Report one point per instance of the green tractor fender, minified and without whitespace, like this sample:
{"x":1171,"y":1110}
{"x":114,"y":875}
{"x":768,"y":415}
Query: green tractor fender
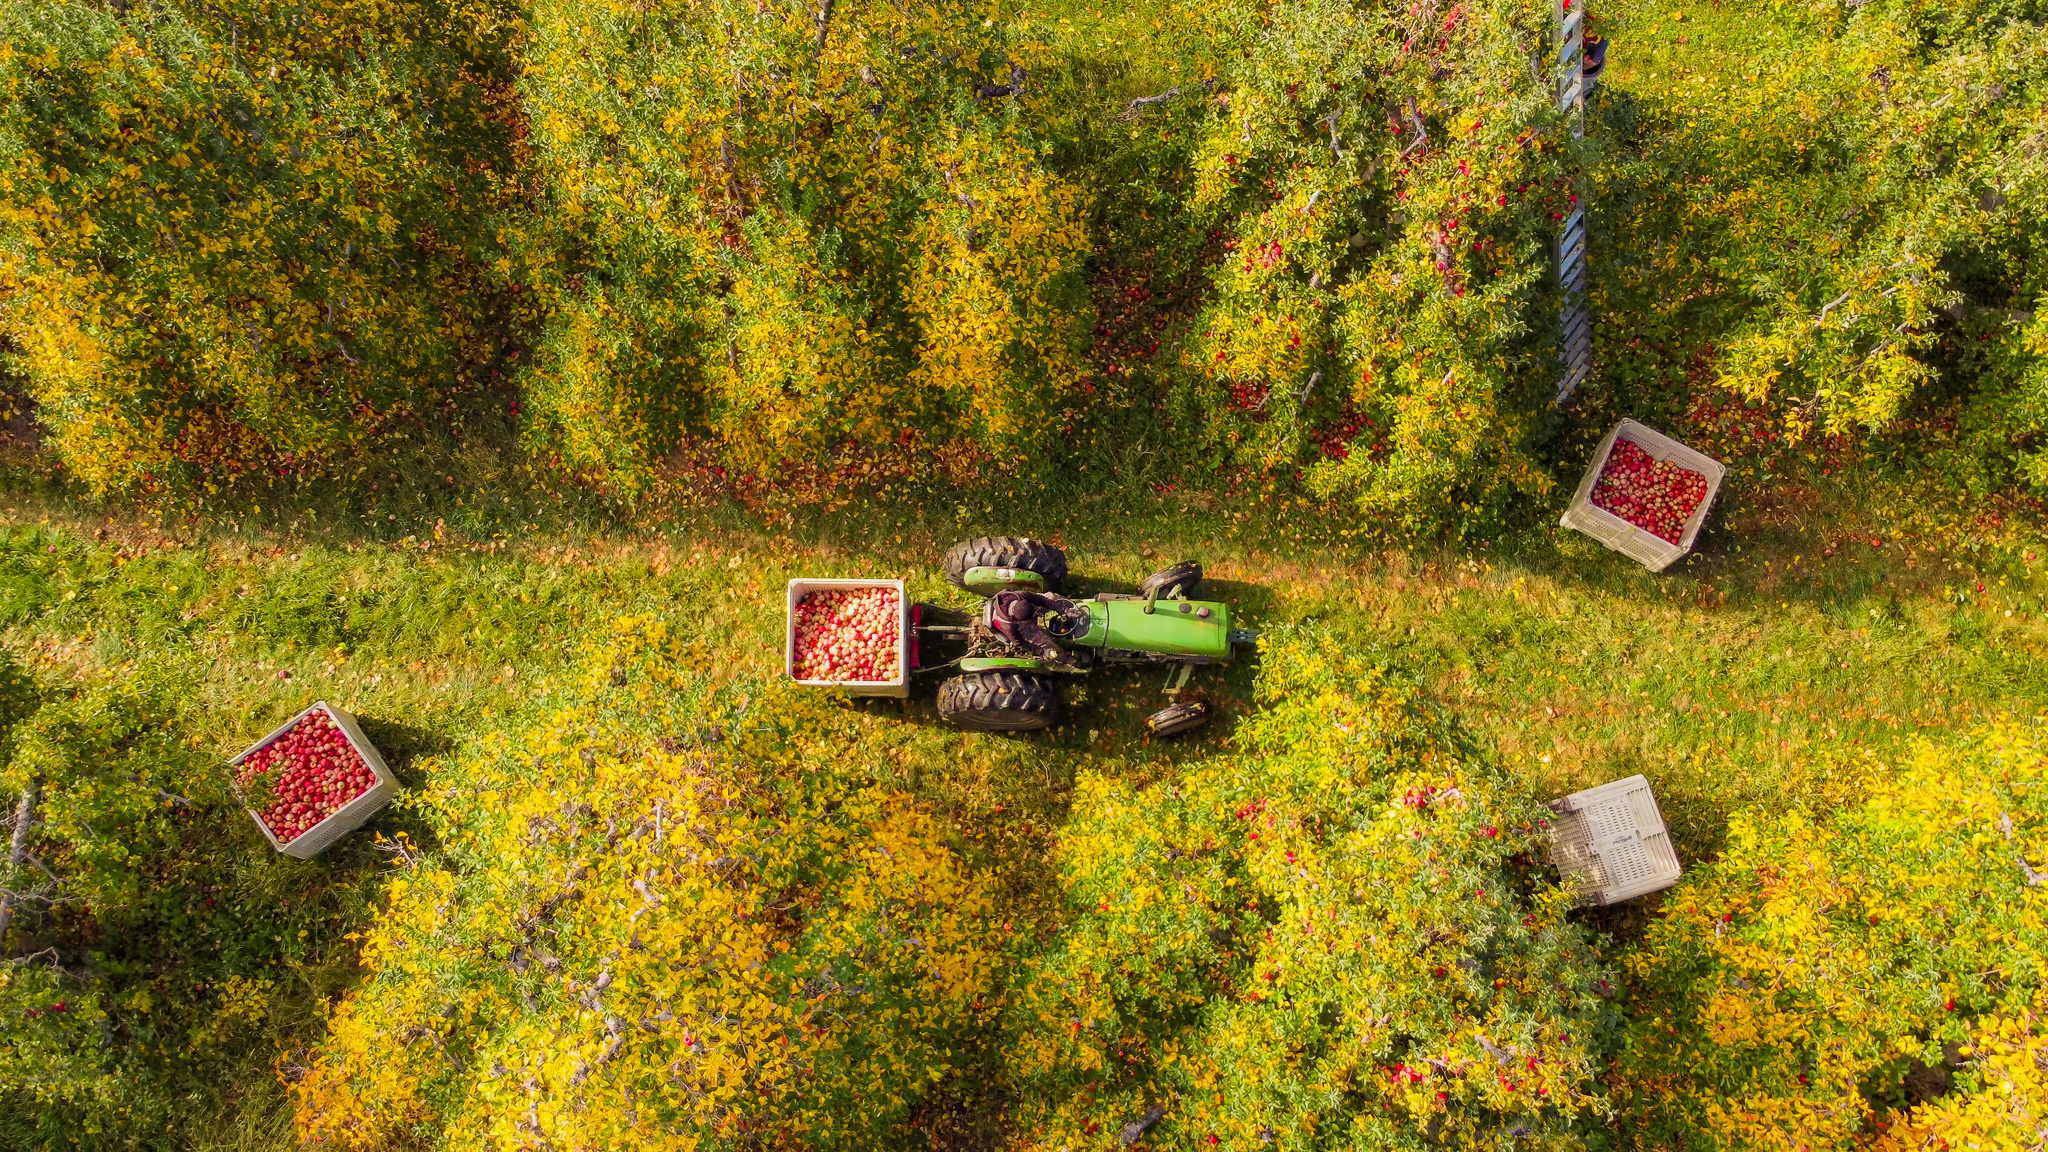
{"x":988,"y":580}
{"x":970,"y":665}
{"x":1124,"y":627}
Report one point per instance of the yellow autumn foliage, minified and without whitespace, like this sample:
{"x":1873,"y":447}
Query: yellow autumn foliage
{"x":1389,"y":182}
{"x":651,"y":923}
{"x":2007,"y":1059}
{"x":236,"y":240}
{"x":787,"y":228}
{"x":1792,"y":984}
{"x":1323,"y":940}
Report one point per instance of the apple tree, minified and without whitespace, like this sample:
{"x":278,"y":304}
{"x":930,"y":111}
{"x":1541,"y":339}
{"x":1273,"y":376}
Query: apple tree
{"x":792,"y":227}
{"x":1388,"y":181}
{"x":243,"y":238}
{"x":1841,"y":205}
{"x":1824,"y":976}
{"x":1332,"y":937}
{"x":144,"y":922}
{"x":654,"y":920}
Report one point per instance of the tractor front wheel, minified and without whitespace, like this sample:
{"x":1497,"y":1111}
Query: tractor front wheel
{"x":1000,"y":702}
{"x":1007,"y":552}
{"x":1186,"y":575}
{"x":1177,"y":718}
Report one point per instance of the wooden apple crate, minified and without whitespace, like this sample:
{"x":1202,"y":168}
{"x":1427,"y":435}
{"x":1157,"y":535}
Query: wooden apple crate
{"x":900,"y":686}
{"x":1642,"y":546}
{"x":1610,"y":844}
{"x":349,"y":816}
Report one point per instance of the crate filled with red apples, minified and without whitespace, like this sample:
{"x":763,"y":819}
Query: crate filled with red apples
{"x":316,"y":779}
{"x":1645,"y":496}
{"x":853,"y":635}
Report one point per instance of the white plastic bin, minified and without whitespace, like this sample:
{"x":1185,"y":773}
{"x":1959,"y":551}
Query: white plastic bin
{"x":349,"y":816}
{"x":900,"y":686}
{"x":1644,"y":547}
{"x":1610,"y":844}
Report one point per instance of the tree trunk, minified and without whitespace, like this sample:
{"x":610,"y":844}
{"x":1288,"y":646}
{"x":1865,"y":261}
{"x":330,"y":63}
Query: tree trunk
{"x":24,"y":815}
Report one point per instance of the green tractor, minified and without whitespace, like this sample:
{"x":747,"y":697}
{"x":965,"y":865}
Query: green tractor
{"x":1008,"y":659}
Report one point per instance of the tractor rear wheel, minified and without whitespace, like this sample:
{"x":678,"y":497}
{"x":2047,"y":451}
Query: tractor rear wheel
{"x":1007,"y":552}
{"x":1000,"y":702}
{"x":1187,"y":574}
{"x":1177,"y":718}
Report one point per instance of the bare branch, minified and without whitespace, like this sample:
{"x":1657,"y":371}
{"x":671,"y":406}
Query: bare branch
{"x":1829,"y":307}
{"x":1014,"y":88}
{"x":30,"y":859}
{"x":24,"y":819}
{"x":1131,"y":1132}
{"x":1867,"y":356}
{"x":1315,"y":377}
{"x":1137,"y":107}
{"x":2034,"y":879}
{"x":49,"y":954}
{"x":402,"y":849}
{"x":824,"y":26}
{"x":966,"y":201}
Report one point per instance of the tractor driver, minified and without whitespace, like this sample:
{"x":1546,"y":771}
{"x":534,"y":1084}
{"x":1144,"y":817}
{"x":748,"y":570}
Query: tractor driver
{"x":1016,"y":615}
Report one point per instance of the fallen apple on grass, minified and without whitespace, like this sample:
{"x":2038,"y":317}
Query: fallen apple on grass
{"x":1654,"y":495}
{"x":313,"y":773}
{"x":848,"y":634}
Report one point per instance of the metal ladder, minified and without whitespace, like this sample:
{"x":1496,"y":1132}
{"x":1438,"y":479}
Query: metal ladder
{"x":1575,"y":323}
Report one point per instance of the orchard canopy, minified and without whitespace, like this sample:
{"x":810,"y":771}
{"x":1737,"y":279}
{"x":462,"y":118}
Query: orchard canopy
{"x":666,"y":908}
{"x":248,"y":239}
{"x":499,"y":363}
{"x":652,"y":933}
{"x":687,"y":914}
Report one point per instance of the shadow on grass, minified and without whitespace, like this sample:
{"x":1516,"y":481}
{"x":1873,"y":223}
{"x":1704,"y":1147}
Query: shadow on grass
{"x":403,"y":745}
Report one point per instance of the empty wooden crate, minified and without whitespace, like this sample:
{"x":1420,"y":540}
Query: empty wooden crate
{"x":1609,"y":843}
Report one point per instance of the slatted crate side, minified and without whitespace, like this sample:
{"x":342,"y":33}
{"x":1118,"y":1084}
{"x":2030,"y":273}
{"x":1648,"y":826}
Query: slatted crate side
{"x":1610,"y":843}
{"x":899,"y":687}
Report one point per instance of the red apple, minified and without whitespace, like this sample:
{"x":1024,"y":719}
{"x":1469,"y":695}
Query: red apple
{"x":1654,"y":495}
{"x":848,"y":635}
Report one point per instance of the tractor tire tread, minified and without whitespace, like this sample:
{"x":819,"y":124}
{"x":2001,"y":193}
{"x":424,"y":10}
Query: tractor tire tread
{"x":1000,"y":702}
{"x":1007,"y":552}
{"x":1187,"y":574}
{"x":1175,"y":719}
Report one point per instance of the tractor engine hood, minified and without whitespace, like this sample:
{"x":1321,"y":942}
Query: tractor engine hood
{"x":1120,"y":628}
{"x":1120,"y":625}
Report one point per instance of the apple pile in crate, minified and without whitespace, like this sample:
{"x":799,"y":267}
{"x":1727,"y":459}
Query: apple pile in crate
{"x":1654,"y":495}
{"x":312,"y":771}
{"x":848,"y":634}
